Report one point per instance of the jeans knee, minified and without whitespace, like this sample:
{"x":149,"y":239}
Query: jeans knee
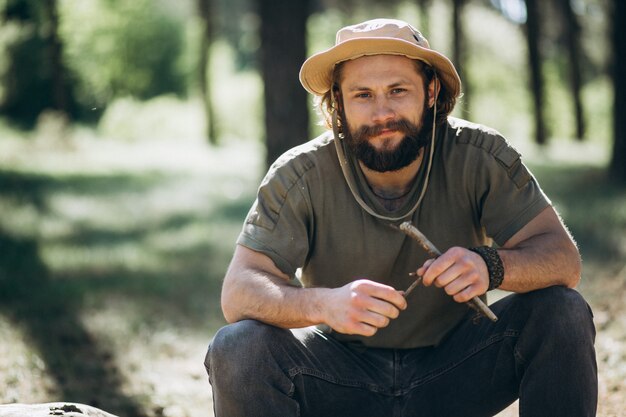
{"x":239,"y":347}
{"x":563,"y":312}
{"x":566,"y":303}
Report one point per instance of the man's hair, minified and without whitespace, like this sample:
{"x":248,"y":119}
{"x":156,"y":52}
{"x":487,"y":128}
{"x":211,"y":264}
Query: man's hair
{"x":445,"y":100}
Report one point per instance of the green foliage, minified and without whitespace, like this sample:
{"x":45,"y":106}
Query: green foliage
{"x":238,"y":110}
{"x":238,"y":95}
{"x":127,"y":48}
{"x":163,"y":117}
{"x":593,"y":208}
{"x":111,"y":48}
{"x":236,"y":22}
{"x":598,"y":98}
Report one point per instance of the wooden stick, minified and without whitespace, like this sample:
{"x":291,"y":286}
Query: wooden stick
{"x":419,"y":237}
{"x":414,"y":233}
{"x":414,"y":285}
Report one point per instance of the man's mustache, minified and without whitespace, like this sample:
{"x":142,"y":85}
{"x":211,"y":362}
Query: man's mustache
{"x":401,"y":125}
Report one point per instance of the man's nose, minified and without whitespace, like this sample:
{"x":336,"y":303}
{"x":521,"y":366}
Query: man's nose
{"x":383,"y":111}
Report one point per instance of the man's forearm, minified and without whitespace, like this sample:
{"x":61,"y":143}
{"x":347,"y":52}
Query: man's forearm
{"x":254,"y":288}
{"x":541,"y":261}
{"x":259,"y":295}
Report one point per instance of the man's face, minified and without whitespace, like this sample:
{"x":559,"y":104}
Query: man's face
{"x":386,"y":110}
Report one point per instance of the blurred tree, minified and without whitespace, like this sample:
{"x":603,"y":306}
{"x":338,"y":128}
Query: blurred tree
{"x":239,"y":26}
{"x":53,"y":60}
{"x":571,"y":27}
{"x":60,"y":91}
{"x":459,"y":48}
{"x":533,"y":35}
{"x":558,"y":42}
{"x":283,"y":50}
{"x":424,"y":7}
{"x":34,"y":77}
{"x":129,"y":48}
{"x":206,"y":12}
{"x":618,"y":162}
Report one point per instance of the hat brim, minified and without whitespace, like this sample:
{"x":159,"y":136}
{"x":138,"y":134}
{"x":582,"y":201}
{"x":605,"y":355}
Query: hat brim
{"x":316,"y":72}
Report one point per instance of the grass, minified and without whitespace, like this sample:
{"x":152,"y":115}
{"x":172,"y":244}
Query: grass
{"x":110,"y":270}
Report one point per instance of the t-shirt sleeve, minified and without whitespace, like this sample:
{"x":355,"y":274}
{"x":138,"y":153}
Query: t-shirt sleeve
{"x":278,"y":222}
{"x":508,"y":194}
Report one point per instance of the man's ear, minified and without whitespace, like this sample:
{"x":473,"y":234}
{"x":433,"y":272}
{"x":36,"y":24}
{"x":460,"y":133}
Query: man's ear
{"x":433,"y":90}
{"x":337,"y":97}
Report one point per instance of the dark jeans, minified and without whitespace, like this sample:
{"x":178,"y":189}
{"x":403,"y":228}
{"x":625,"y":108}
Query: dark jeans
{"x":540,"y":351}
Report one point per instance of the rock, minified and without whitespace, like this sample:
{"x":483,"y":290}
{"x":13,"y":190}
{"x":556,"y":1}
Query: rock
{"x":51,"y":409}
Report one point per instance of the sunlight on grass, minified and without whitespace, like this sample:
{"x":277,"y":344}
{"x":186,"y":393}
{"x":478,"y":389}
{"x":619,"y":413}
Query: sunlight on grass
{"x":25,"y":375}
{"x":132,"y":228}
{"x":173,"y":350}
{"x":138,"y":234}
{"x":18,"y":218}
{"x":164,"y":117}
{"x":129,"y":257}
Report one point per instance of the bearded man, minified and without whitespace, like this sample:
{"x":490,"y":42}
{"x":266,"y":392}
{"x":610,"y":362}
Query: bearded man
{"x":320,"y":322}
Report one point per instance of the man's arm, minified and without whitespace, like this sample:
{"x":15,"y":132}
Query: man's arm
{"x":539,"y":255}
{"x":254,"y":288}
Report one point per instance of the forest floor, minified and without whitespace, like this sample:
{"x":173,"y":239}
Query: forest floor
{"x":112,"y":255}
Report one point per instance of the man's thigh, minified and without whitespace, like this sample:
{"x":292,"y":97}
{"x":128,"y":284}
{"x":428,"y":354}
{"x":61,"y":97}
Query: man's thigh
{"x":476,"y":371}
{"x":301,"y":372}
{"x":481,"y":367}
{"x":333,"y":378}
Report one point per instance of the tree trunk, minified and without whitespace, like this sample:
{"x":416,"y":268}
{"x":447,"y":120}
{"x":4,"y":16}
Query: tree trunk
{"x":459,"y":48}
{"x":283,"y":50}
{"x":54,"y":52}
{"x":618,"y":161}
{"x":534,"y":59}
{"x":424,"y":7}
{"x":205,"y":12}
{"x":35,"y":78}
{"x":572,"y":32}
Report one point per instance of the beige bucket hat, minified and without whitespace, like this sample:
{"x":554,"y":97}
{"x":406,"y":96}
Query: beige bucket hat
{"x":376,"y":37}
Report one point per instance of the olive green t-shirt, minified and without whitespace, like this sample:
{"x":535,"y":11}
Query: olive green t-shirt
{"x":306,"y":218}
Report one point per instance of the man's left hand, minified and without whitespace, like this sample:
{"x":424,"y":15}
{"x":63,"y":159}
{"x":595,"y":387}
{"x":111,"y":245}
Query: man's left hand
{"x":459,"y":271}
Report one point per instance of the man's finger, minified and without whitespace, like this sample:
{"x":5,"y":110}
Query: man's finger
{"x":387,"y":294}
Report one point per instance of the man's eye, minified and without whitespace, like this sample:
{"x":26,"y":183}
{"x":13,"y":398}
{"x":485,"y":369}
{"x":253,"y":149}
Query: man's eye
{"x":363,"y":95}
{"x":398,"y":90}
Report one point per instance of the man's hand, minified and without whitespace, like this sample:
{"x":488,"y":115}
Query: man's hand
{"x":459,"y":271}
{"x":362,"y":307}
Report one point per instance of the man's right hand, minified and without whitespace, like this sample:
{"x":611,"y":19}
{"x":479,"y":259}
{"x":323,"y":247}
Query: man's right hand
{"x":361,"y":307}
{"x":254,"y":288}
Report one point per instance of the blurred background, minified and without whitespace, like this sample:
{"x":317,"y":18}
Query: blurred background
{"x":133,"y":136}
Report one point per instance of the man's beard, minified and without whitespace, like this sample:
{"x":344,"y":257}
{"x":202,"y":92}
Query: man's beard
{"x":415,"y":138}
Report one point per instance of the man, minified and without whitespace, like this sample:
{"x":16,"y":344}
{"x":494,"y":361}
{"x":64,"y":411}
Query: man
{"x":359,"y":345}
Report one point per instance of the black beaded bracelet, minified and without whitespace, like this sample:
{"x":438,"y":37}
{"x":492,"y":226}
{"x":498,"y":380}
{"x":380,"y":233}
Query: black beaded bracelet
{"x":494,"y":265}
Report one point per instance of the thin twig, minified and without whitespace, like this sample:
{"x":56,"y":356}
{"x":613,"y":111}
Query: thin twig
{"x":413,"y":232}
{"x":414,"y":285}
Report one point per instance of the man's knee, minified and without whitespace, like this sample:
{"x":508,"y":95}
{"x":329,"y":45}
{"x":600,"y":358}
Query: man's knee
{"x":240,"y":346}
{"x":563,"y":313}
{"x":562,"y":304}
